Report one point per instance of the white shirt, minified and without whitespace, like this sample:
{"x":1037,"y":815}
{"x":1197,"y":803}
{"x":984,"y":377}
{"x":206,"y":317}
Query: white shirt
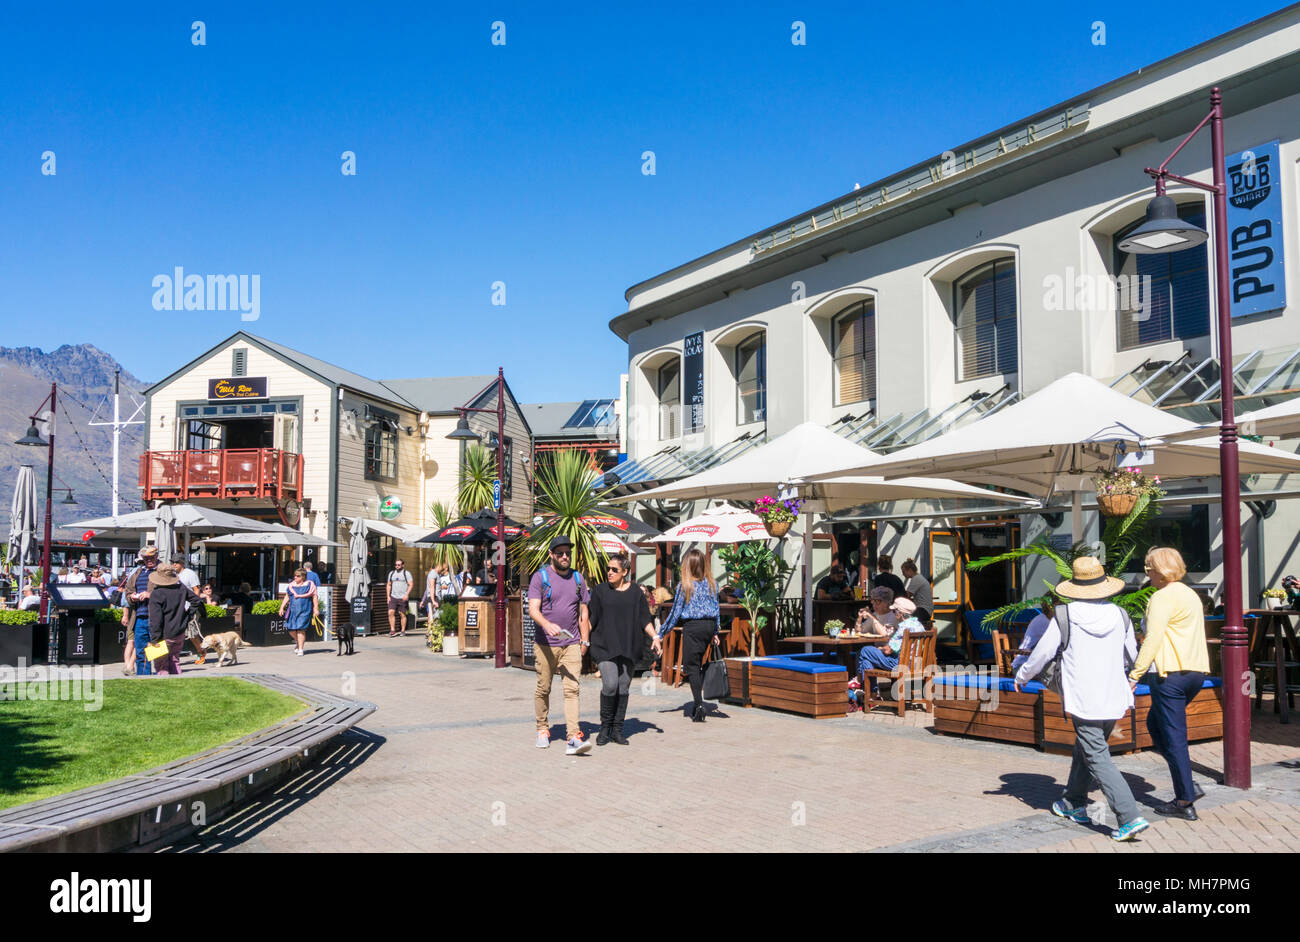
{"x":29,"y":602}
{"x":75,"y":577}
{"x":1032,"y":635}
{"x":1094,"y":683}
{"x":190,"y":579}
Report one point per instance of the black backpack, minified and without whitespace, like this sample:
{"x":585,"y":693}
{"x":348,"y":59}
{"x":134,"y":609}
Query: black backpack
{"x":1050,"y":676}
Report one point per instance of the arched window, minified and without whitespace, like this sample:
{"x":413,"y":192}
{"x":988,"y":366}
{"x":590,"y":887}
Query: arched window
{"x":668,"y":390}
{"x":985,"y":302}
{"x":853,"y":338}
{"x":1162,"y":297}
{"x":751,"y":379}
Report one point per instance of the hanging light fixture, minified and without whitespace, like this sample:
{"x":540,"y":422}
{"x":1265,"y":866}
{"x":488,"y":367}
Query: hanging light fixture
{"x":463,"y":433}
{"x":33,"y":437}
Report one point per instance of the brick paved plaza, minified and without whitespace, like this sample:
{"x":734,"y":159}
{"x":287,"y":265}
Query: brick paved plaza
{"x":447,"y":763}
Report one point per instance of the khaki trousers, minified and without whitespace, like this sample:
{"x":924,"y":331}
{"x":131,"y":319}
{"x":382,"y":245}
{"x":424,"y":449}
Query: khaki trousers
{"x":567,"y":662}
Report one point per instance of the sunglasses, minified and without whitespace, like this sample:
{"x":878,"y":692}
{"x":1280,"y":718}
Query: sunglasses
{"x":613,"y":569}
{"x":560,"y":552}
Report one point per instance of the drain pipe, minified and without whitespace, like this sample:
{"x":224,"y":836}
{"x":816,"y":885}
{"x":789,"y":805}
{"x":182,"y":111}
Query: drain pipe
{"x":1261,"y":510}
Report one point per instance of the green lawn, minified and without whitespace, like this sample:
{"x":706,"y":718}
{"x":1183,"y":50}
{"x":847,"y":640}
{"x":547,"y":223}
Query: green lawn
{"x":49,"y":747}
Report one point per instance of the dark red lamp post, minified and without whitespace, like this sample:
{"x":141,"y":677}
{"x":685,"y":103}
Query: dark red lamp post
{"x":1164,"y":232}
{"x":33,"y":438}
{"x":464,"y":433}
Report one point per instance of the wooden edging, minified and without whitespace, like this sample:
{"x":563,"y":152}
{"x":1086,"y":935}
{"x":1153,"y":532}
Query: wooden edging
{"x":188,"y":793}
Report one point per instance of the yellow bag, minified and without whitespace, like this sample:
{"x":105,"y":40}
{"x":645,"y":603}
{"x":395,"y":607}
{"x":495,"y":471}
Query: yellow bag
{"x":156,"y":650}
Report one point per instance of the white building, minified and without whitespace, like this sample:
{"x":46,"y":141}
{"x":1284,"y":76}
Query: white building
{"x":956,"y":286}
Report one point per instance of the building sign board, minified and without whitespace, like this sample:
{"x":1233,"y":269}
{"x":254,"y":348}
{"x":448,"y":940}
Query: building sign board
{"x":237,"y":387}
{"x":693,"y":381}
{"x":1257,"y":273}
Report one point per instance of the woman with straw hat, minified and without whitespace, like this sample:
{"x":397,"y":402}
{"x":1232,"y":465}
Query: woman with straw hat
{"x":1094,"y":638}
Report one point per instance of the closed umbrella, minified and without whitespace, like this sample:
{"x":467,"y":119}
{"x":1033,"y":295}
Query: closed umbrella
{"x":22,"y":520}
{"x":358,"y":574}
{"x":164,"y":534}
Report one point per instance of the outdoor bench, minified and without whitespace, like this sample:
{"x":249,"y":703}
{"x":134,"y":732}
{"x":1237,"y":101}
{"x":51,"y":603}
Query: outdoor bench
{"x":1036,"y":716}
{"x":810,"y":684}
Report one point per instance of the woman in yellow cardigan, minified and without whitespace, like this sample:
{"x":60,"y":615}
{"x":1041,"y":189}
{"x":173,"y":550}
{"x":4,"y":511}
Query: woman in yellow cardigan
{"x":1174,"y":659}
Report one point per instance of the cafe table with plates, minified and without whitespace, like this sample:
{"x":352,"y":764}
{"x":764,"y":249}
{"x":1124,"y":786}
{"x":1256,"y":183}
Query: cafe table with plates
{"x":845,"y":646}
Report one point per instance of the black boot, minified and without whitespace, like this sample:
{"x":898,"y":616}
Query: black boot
{"x":606,"y":718}
{"x":698,"y":715}
{"x":616,"y":726}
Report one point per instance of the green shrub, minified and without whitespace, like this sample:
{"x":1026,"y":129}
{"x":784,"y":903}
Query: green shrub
{"x":12,"y":616}
{"x":215,"y":611}
{"x":449,"y":617}
{"x":269,"y":607}
{"x":111,"y":615}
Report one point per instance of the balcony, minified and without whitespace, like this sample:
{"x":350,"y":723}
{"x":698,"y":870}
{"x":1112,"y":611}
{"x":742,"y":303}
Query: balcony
{"x":225,"y":473}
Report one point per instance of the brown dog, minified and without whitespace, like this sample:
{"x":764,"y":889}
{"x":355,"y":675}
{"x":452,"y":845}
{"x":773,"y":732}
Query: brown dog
{"x":227,"y":642}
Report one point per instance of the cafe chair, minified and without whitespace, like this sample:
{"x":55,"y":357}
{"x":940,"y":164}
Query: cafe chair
{"x":1006,"y":647}
{"x":915,"y":668}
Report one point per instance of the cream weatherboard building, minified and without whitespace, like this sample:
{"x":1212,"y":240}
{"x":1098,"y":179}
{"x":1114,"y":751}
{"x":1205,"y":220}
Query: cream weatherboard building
{"x":259,"y":429}
{"x":955,"y":287}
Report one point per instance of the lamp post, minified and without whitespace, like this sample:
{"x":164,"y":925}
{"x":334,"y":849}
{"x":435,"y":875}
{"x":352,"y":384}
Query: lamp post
{"x":1164,"y":232}
{"x":464,"y":433}
{"x":33,"y":438}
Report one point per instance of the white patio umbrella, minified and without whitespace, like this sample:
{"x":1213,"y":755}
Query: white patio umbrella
{"x":612,"y":544}
{"x":722,"y":524}
{"x":296,"y":538}
{"x":197,"y":519}
{"x":1281,"y":420}
{"x":22,"y":520}
{"x":795,"y":457}
{"x":358,"y":574}
{"x":1074,"y":426}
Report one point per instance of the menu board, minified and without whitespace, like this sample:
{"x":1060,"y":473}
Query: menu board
{"x":693,"y":380}
{"x":943,"y":567}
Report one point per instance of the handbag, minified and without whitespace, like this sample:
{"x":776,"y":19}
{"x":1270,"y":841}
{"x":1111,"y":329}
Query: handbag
{"x":716,"y":683}
{"x":156,"y":650}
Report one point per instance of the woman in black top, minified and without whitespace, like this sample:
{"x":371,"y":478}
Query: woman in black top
{"x":619,"y":617}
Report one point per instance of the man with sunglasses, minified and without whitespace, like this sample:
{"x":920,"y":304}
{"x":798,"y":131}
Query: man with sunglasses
{"x":557,"y":603}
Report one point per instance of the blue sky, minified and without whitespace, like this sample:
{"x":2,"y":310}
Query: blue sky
{"x":477,"y":163}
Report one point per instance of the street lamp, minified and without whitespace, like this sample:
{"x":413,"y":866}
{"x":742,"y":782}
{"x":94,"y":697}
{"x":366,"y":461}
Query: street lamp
{"x":463,"y":433}
{"x":33,"y":439}
{"x":1164,"y":232}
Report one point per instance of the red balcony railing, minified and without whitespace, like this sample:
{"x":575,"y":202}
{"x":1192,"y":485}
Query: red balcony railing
{"x":221,"y":473}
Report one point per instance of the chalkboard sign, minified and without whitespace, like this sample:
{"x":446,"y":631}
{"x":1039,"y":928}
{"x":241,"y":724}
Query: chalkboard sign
{"x":361,"y":612}
{"x":471,"y":617}
{"x":79,"y":637}
{"x":693,"y":381}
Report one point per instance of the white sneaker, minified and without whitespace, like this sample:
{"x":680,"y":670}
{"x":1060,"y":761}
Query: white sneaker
{"x":543,"y":739}
{"x":577,"y":746}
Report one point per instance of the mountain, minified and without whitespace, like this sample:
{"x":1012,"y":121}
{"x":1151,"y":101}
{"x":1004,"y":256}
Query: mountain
{"x":83,"y":455}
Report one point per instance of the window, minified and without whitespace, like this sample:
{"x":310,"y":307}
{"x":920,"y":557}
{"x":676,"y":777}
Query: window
{"x":668,"y":389}
{"x":1187,"y":528}
{"x":1162,"y":297}
{"x":853,"y":339}
{"x":986,"y":320}
{"x":381,"y":553}
{"x":381,"y":445}
{"x":751,"y":379}
{"x":202,"y":436}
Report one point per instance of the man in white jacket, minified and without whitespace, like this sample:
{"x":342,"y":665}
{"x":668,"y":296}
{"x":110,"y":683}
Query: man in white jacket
{"x":1094,"y":687}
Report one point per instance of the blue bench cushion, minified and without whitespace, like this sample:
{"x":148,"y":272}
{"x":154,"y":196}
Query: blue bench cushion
{"x":801,"y":664}
{"x":1007,"y":684}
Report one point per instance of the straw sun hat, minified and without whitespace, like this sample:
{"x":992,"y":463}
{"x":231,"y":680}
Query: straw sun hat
{"x":1089,"y":581}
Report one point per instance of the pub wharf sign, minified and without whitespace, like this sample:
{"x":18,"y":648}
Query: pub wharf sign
{"x":237,"y":387}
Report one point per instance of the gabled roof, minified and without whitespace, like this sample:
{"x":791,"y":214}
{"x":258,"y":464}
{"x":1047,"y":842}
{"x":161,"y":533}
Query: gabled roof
{"x":436,"y":394}
{"x":589,"y":419}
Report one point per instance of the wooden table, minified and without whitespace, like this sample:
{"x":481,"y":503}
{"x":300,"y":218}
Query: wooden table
{"x":1277,"y":622}
{"x":845,"y":647}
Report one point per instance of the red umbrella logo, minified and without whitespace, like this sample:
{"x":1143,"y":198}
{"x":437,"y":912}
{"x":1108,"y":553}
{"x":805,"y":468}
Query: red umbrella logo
{"x":87,"y":536}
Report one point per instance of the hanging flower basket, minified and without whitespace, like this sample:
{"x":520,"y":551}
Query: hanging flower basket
{"x":778,"y":528}
{"x":1116,"y":505}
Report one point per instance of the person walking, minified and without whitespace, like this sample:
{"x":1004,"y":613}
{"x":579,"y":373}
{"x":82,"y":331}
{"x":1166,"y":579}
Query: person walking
{"x":557,"y":602}
{"x":314,"y":579}
{"x":696,"y":606}
{"x":135,"y":612}
{"x":195,"y":612}
{"x":1172,"y":662}
{"x":167,"y":617}
{"x":297,"y":608}
{"x":1094,"y":644}
{"x":619,"y":618}
{"x":399,"y":590}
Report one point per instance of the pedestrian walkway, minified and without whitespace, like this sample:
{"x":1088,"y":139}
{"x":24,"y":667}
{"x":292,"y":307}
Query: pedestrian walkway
{"x":447,"y":763}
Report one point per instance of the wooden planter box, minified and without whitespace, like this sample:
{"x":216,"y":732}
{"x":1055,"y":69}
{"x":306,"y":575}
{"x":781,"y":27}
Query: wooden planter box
{"x":740,"y":638}
{"x":738,"y":679}
{"x":1038,"y":719}
{"x":817,"y":695}
{"x":28,"y":643}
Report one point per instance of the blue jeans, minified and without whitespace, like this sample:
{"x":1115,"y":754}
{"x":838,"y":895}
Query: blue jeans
{"x":1167,"y":723}
{"x":874,"y":658}
{"x":142,"y":666}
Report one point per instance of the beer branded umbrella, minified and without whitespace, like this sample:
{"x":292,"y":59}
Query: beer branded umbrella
{"x":479,"y":527}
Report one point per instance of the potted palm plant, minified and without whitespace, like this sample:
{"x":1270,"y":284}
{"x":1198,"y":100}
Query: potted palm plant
{"x":567,"y":491}
{"x":757,"y":573}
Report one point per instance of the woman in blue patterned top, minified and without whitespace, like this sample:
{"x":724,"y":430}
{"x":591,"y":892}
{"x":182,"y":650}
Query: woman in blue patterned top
{"x":696,"y":607}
